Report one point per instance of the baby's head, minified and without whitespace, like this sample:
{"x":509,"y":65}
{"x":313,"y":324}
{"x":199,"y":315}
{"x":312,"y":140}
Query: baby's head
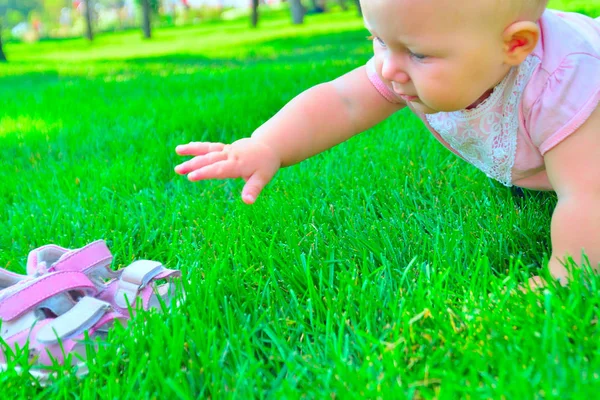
{"x":443,"y":55}
{"x":522,"y":9}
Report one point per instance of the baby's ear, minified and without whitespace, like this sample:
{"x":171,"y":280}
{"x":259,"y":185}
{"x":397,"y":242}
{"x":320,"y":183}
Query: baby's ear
{"x":520,"y":40}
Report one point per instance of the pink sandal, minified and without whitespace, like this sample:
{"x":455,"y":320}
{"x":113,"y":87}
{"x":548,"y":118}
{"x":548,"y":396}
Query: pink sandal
{"x":49,"y":317}
{"x":118,"y":288}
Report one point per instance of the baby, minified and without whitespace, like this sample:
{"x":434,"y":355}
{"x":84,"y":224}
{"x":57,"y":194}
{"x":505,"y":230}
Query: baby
{"x":509,"y":86}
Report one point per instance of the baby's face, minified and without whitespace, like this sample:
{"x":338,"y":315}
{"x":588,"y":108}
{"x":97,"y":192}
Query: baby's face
{"x":436,"y":54}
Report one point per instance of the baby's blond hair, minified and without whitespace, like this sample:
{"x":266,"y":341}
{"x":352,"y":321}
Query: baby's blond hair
{"x":504,"y":11}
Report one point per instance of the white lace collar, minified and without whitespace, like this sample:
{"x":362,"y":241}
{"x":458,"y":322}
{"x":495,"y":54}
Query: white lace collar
{"x":486,"y":136}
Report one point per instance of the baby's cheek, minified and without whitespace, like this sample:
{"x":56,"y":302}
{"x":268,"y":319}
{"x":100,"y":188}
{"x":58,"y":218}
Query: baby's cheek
{"x":445,"y":102}
{"x":430,"y":91}
{"x":378,"y":61}
{"x":440,"y":90}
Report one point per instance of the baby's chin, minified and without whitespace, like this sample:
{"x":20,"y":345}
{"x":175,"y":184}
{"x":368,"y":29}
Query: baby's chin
{"x":422,"y":108}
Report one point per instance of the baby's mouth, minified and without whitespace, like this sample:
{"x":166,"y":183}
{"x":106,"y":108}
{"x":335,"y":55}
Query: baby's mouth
{"x":405,"y":97}
{"x":408,"y":98}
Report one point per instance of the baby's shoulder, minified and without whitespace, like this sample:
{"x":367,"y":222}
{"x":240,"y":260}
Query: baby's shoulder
{"x":567,"y":56}
{"x":566,"y":37}
{"x":564,"y":87}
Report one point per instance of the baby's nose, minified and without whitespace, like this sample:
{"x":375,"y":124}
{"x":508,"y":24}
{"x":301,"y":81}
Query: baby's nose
{"x":393,"y":71}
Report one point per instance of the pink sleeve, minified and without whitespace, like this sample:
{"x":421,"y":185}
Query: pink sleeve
{"x":568,"y":99}
{"x":381,"y":87}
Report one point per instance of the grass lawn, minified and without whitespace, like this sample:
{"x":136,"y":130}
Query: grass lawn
{"x":376,"y":269}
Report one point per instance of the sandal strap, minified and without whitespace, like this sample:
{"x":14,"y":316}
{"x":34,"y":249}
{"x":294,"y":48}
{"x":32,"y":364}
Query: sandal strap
{"x":84,"y":259}
{"x":84,"y":315}
{"x":95,"y":254}
{"x":134,"y":278}
{"x":36,"y":267}
{"x":31,"y":293}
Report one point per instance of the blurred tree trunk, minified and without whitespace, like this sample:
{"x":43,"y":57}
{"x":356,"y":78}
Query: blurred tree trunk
{"x":89,"y":33}
{"x":358,"y":7}
{"x":298,"y":11}
{"x":2,"y":55}
{"x":343,"y":4}
{"x":121,"y":13}
{"x":254,"y":13}
{"x":146,"y":18}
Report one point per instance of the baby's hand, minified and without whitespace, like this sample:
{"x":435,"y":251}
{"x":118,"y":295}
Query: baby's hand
{"x":247,"y":158}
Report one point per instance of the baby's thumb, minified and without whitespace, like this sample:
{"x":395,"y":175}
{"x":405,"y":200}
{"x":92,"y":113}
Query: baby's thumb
{"x":254,"y":185}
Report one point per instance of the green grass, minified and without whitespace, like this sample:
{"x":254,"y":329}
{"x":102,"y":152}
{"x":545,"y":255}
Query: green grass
{"x":374,"y":270}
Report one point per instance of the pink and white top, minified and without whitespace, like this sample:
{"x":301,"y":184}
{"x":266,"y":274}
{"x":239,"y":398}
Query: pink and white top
{"x":537,"y":105}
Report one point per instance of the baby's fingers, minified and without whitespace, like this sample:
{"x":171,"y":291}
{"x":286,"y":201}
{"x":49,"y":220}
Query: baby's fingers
{"x":254,"y":185}
{"x":220,"y":170}
{"x":200,"y":162}
{"x":198,"y":148}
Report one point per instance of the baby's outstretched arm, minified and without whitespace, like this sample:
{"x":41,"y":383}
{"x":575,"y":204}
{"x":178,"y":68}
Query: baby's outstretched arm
{"x":574,"y":170}
{"x":314,"y":121}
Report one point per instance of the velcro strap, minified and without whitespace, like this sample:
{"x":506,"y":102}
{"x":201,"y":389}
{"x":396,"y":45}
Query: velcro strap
{"x":84,"y":315}
{"x":38,"y":290}
{"x":85,"y":258}
{"x":135,"y":277}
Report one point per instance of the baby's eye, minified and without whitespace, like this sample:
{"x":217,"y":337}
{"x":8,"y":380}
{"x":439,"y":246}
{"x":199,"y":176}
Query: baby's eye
{"x":377,"y":40}
{"x":417,"y":56}
{"x":381,"y":42}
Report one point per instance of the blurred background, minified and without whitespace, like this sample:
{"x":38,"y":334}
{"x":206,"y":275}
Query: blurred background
{"x":38,"y":20}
